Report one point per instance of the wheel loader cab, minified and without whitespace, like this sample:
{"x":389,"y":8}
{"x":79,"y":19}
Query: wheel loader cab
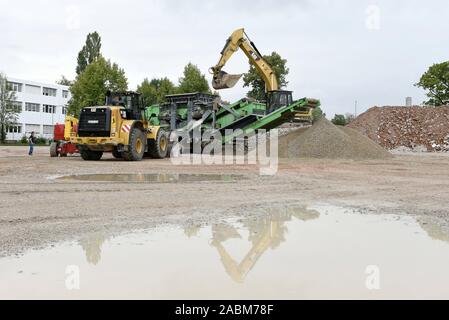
{"x":132,"y":103}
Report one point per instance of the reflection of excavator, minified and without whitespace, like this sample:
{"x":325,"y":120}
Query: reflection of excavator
{"x":275,"y":97}
{"x":265,"y":232}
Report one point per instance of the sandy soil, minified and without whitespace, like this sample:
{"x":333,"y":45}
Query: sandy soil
{"x":37,"y":210}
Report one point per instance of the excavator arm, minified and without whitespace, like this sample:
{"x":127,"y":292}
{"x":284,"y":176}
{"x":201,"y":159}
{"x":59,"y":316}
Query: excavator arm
{"x":239,"y":39}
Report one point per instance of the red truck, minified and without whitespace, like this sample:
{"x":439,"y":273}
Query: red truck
{"x":61,"y":145}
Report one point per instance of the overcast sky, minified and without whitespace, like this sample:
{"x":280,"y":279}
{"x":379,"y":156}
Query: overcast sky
{"x":338,"y":51}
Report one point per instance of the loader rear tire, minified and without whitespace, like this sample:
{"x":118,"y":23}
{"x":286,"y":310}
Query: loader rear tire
{"x":158,"y":148}
{"x":90,"y":155}
{"x":54,"y":149}
{"x":136,"y":148}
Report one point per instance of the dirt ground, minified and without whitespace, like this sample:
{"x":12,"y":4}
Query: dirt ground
{"x":36,"y":209}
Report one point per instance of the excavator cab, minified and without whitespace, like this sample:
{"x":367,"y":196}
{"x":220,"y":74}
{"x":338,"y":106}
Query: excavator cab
{"x":278,"y":99}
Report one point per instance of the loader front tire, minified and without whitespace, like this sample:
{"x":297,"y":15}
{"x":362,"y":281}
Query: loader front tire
{"x":136,"y":148}
{"x":158,"y":148}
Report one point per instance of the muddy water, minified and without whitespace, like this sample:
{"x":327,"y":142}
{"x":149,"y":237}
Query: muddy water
{"x":284,"y":253}
{"x":151,"y":177}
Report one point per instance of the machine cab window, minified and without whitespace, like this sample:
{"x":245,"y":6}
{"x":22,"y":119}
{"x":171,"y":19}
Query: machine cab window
{"x":131,"y":103}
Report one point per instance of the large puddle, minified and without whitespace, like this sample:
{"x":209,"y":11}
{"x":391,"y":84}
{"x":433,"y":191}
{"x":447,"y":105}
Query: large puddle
{"x":151,"y":177}
{"x":287,"y":253}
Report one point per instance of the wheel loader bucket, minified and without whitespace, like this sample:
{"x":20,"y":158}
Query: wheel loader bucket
{"x":224,"y":80}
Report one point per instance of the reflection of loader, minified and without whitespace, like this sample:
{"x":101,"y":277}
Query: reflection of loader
{"x":265,"y":232}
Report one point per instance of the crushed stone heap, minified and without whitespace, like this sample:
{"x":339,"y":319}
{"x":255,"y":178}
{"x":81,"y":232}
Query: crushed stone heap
{"x":325,"y":140}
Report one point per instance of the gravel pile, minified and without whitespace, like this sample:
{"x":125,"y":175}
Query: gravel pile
{"x":325,"y":140}
{"x":411,"y":127}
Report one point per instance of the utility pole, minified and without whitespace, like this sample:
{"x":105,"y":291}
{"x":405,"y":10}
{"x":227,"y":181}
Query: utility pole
{"x":355,"y":109}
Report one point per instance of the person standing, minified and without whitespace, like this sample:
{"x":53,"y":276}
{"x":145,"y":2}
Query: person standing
{"x":31,"y":141}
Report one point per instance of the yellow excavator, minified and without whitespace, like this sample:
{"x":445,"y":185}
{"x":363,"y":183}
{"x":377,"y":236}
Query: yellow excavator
{"x":222,"y":80}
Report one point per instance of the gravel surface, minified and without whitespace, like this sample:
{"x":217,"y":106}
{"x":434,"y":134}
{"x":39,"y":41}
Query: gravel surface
{"x":325,"y":140}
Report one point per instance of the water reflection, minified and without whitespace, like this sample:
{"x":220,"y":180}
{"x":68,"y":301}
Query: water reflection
{"x":192,"y":230}
{"x":434,"y":229}
{"x":92,"y":247}
{"x":271,"y":254}
{"x":266,"y":231}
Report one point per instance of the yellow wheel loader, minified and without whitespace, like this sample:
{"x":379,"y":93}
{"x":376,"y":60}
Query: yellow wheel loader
{"x":119,"y":127}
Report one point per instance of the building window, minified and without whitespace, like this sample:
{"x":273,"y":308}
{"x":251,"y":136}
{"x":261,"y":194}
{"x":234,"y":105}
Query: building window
{"x":32,"y":107}
{"x":14,"y":86}
{"x":49,"y":92}
{"x":48,"y":129}
{"x":14,"y":129}
{"x":64,"y":110}
{"x":47,"y":108}
{"x":36,"y":128}
{"x":16,"y":106}
{"x":32,"y":89}
{"x":65,"y":94}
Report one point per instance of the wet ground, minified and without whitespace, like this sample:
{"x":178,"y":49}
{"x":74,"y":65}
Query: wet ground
{"x":286,"y":253}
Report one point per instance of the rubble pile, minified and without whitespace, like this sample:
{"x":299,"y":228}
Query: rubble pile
{"x":410,"y":127}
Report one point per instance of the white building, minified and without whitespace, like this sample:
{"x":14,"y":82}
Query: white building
{"x":40,"y":107}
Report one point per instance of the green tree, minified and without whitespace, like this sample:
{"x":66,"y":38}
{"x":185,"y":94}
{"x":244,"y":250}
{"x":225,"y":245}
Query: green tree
{"x":64,"y":81}
{"x":339,"y":120}
{"x":90,"y":52}
{"x":90,"y":87}
{"x":436,"y":81}
{"x":154,"y":91}
{"x":252,"y":78}
{"x":193,"y":80}
{"x":317,"y":114}
{"x":8,"y":114}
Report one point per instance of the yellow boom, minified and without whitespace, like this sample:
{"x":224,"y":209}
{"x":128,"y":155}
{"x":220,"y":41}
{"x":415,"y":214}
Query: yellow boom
{"x":239,"y":39}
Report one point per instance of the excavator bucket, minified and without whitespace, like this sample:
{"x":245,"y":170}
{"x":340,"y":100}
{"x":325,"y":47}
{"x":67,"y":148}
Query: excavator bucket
{"x":224,"y":80}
